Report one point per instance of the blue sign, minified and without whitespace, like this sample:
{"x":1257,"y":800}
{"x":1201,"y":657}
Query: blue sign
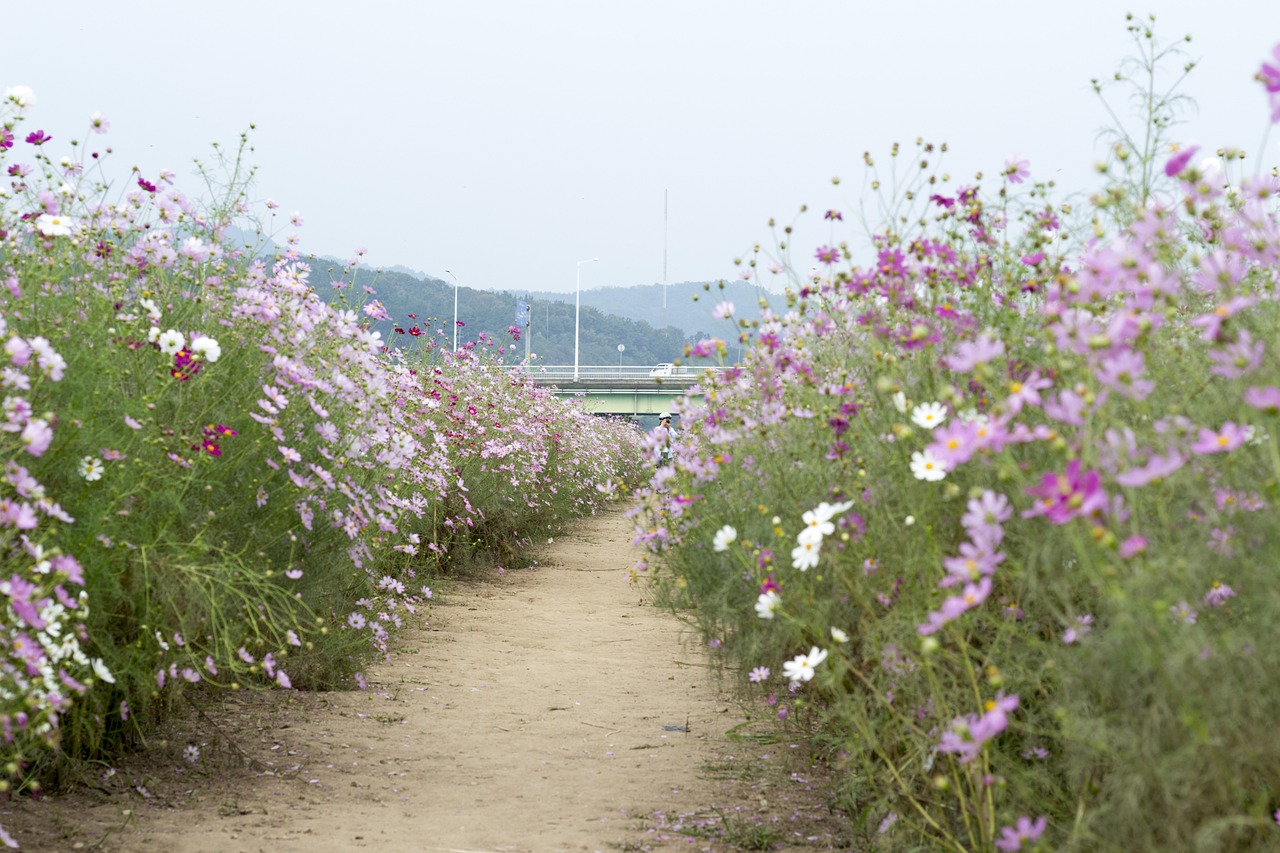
{"x":522,"y":313}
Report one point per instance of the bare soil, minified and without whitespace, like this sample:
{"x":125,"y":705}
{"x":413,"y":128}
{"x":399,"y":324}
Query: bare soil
{"x":544,"y":709}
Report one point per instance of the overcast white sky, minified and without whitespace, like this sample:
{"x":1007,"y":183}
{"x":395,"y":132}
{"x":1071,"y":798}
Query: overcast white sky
{"x":506,"y":140}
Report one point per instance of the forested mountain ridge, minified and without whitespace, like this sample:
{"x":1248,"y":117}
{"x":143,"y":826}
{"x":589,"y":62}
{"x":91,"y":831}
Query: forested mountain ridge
{"x":626,"y":315}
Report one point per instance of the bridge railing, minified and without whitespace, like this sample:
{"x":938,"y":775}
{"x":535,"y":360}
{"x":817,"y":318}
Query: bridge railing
{"x":616,"y":373}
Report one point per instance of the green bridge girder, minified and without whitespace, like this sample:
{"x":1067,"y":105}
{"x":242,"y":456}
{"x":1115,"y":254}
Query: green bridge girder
{"x":623,"y":401}
{"x":633,"y":391}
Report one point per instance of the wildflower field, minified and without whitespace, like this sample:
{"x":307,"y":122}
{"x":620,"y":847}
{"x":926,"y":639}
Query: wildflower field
{"x":216,"y":480}
{"x":990,"y":512}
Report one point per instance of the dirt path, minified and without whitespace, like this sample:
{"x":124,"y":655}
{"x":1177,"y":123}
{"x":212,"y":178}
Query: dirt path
{"x":548,"y":710}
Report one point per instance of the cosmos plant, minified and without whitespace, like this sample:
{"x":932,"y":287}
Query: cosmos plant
{"x":1009,"y":477}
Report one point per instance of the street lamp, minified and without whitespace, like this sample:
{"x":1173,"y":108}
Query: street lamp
{"x":455,"y":310}
{"x":577,"y":315}
{"x":621,"y":349}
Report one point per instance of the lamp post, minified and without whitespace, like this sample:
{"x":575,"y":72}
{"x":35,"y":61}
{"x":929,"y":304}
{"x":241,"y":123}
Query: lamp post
{"x":621,"y":349}
{"x":577,"y":314}
{"x":455,"y":310}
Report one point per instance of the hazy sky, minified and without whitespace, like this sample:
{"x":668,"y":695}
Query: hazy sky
{"x":508,"y":140}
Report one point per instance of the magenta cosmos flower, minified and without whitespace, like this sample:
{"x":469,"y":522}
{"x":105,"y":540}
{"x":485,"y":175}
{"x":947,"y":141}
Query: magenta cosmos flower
{"x":1178,"y":161}
{"x":1069,"y":495}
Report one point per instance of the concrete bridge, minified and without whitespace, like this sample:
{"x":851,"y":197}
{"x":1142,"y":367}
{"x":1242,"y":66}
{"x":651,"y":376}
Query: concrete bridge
{"x":621,"y":390}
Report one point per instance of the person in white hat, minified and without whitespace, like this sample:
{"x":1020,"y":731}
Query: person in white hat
{"x":667,"y":435}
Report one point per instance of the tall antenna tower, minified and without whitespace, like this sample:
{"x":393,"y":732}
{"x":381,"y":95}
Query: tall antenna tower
{"x":662,"y":320}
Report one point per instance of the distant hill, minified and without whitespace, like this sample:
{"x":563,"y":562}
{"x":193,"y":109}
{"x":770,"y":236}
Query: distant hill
{"x":688,"y":304}
{"x":429,"y":303}
{"x":631,"y":316}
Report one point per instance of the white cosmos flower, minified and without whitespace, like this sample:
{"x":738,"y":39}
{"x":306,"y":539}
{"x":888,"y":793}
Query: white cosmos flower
{"x":767,"y":603}
{"x":900,"y":402}
{"x":21,"y":95}
{"x":805,"y":555}
{"x":800,"y":668}
{"x":100,"y":670}
{"x":91,"y":468}
{"x":818,"y":520}
{"x":372,"y":340}
{"x":171,"y":341}
{"x":838,"y":635}
{"x":926,"y":466}
{"x":811,"y":535}
{"x":207,"y":348}
{"x":724,"y":537}
{"x":929,"y":415}
{"x":152,"y":309}
{"x":52,"y":225}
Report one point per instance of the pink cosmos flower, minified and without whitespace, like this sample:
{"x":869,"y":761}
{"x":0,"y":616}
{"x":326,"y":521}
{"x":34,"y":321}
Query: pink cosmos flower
{"x":1269,"y":76}
{"x":1156,"y":468}
{"x":1026,"y":392}
{"x":1072,"y":494}
{"x":19,"y":515}
{"x":19,"y":351}
{"x":706,"y":347}
{"x":1267,"y":399}
{"x":1238,"y":358}
{"x":1066,"y":407}
{"x":955,"y":606}
{"x":1212,"y":322}
{"x":1017,"y":169}
{"x":966,"y":735}
{"x":827,"y":254}
{"x":954,"y":443}
{"x":37,"y":435}
{"x":976,"y":559}
{"x":1178,"y":161}
{"x":988,"y":510}
{"x":1024,"y":832}
{"x":1084,"y":624}
{"x":1123,"y":371}
{"x":1218,"y":595}
{"x":1132,"y":546}
{"x":1182,"y":612}
{"x":969,"y":354}
{"x":1228,"y":437}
